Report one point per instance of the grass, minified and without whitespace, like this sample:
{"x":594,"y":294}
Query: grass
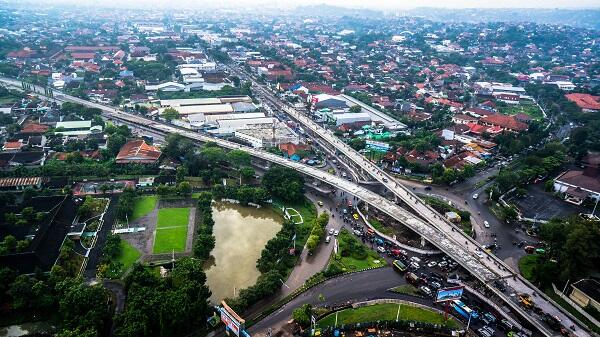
{"x":170,"y":239}
{"x":407,"y":289}
{"x":386,"y":312}
{"x":529,"y":109}
{"x":143,"y":206}
{"x":526,"y":264}
{"x":172,"y":217}
{"x":354,"y":261}
{"x":380,"y":227}
{"x":308,"y":210}
{"x":129,"y":255}
{"x":171,"y":230}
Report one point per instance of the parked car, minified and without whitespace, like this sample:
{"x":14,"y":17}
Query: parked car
{"x":327,"y":239}
{"x":432,"y":264}
{"x":381,"y":249}
{"x":336,"y":233}
{"x":331,"y":231}
{"x":475,"y":196}
{"x":486,"y":224}
{"x":425,"y":290}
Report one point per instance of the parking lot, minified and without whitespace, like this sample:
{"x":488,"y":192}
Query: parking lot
{"x":539,"y":204}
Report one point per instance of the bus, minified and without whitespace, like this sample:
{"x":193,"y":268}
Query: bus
{"x":463,"y":310}
{"x":398,"y":265}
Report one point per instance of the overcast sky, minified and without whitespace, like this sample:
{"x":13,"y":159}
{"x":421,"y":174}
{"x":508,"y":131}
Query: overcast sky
{"x":376,"y":4}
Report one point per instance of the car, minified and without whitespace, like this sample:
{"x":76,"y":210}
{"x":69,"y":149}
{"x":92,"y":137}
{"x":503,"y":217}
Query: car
{"x":425,"y":290}
{"x":432,"y":264}
{"x":357,"y":232}
{"x":435,"y":285}
{"x":381,"y":249}
{"x":327,"y":239}
{"x":385,"y":180}
{"x":345,"y":211}
{"x":427,"y":188}
{"x":336,"y":233}
{"x":320,"y":203}
{"x":442,"y":264}
{"x":331,"y":230}
{"x":486,"y":224}
{"x":475,"y":196}
{"x":355,"y":216}
{"x":414,"y":266}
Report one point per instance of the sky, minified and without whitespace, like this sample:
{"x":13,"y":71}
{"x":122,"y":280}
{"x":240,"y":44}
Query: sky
{"x":373,"y":4}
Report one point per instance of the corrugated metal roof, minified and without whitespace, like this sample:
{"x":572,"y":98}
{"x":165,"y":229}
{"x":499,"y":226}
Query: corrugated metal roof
{"x":24,"y":181}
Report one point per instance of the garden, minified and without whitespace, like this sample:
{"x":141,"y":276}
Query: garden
{"x":353,"y":255}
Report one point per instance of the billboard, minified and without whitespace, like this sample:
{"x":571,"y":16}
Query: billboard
{"x":449,"y":294}
{"x":378,"y":146}
{"x":233,"y":322}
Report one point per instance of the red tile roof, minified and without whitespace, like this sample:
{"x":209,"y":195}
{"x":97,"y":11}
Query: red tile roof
{"x":505,"y":122}
{"x":585,"y":101}
{"x":34,"y":128}
{"x":137,"y":151}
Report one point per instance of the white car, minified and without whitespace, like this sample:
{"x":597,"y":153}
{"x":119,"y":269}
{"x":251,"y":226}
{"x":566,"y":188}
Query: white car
{"x":331,"y":231}
{"x":475,"y":196}
{"x":432,"y":264}
{"x":381,"y":249}
{"x":327,"y":239}
{"x":336,"y":233}
{"x":486,"y":224}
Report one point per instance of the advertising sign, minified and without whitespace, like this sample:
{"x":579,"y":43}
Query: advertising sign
{"x":233,"y":322}
{"x":449,"y":294}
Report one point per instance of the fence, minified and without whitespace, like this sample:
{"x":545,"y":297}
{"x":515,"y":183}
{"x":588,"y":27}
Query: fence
{"x":574,"y":305}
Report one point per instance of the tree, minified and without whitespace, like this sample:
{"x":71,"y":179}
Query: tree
{"x":184,"y":188}
{"x":302,"y":314}
{"x":83,"y":305}
{"x":247,"y":173}
{"x":358,"y":143}
{"x":284,"y":183}
{"x":170,"y":114}
{"x":355,"y":109}
{"x":181,"y":173}
{"x":238,"y":158}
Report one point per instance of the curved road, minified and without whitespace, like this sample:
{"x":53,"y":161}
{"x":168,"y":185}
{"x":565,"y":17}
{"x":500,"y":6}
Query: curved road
{"x":435,"y":229}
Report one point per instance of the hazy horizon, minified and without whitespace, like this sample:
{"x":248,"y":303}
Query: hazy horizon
{"x":372,"y":4}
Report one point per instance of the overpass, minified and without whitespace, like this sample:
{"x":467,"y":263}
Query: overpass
{"x":437,"y":221}
{"x":434,"y":228}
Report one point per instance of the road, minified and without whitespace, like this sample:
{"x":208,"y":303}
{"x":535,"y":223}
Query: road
{"x":355,"y":287}
{"x":435,"y":229}
{"x":490,"y":262}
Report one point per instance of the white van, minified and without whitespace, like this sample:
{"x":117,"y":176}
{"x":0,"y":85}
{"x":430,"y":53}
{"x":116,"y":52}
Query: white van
{"x":415,"y":259}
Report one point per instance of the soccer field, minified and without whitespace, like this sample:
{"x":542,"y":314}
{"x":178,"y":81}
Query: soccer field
{"x":171,"y":230}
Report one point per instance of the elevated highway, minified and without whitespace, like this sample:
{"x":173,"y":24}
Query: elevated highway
{"x":429,"y":224}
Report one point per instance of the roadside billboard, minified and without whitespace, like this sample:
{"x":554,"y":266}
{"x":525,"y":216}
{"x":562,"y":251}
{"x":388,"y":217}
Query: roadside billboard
{"x":449,"y":294}
{"x":233,"y":322}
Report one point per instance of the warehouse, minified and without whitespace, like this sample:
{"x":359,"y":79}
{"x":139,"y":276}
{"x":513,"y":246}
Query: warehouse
{"x":263,"y":135}
{"x":349,"y":118}
{"x":202,"y":109}
{"x":228,"y":127}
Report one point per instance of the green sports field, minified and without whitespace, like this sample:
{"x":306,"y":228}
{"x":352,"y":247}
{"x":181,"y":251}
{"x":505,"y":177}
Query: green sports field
{"x":171,"y":230}
{"x":143,"y":205}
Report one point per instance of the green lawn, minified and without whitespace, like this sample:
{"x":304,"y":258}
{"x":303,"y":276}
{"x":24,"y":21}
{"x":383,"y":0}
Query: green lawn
{"x":526,"y":264}
{"x":171,"y":230}
{"x":170,"y":239}
{"x":172,"y":217}
{"x":129,"y":255}
{"x":525,"y":107}
{"x":407,"y":289}
{"x":385,"y":311}
{"x":381,"y":227}
{"x":355,"y":260}
{"x":143,"y":205}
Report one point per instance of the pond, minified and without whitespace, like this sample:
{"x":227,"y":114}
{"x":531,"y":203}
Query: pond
{"x":241,"y":234}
